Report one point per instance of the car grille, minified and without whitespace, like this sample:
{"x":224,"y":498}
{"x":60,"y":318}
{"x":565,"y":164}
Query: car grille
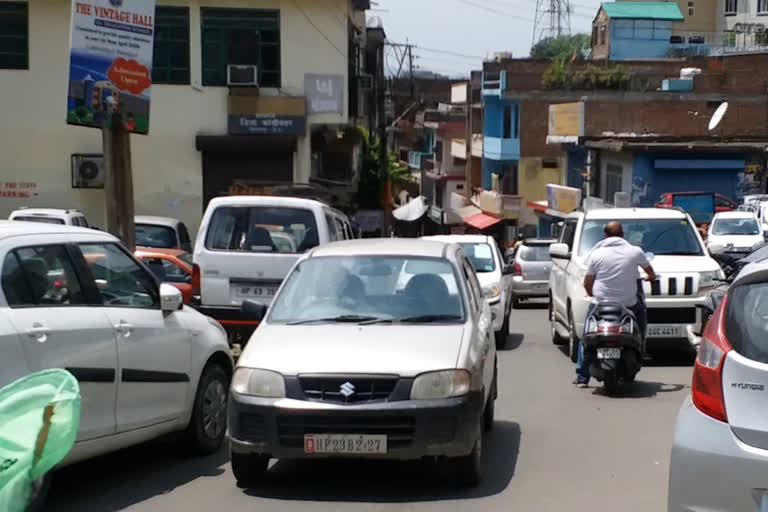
{"x":671,"y":315}
{"x":252,"y":427}
{"x":291,"y":428}
{"x":674,"y":286}
{"x":347,"y":390}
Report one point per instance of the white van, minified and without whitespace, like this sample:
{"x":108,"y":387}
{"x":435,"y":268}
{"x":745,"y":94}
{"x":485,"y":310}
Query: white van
{"x":246,"y":246}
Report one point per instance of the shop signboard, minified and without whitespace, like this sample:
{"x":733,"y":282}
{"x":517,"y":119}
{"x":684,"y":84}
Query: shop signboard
{"x":563,"y":199}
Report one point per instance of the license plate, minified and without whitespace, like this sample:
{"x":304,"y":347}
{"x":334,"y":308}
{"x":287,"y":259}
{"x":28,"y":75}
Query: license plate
{"x":256,"y":291}
{"x":345,"y":444}
{"x":541,"y":286}
{"x":664,"y":332}
{"x":609,"y":353}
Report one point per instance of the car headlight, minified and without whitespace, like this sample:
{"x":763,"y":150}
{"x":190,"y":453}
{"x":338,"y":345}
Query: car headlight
{"x":492,"y":293}
{"x":442,"y":384}
{"x":707,"y":279}
{"x":261,"y":383}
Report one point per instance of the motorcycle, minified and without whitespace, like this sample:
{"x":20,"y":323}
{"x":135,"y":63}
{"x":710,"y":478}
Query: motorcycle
{"x":613,"y":345}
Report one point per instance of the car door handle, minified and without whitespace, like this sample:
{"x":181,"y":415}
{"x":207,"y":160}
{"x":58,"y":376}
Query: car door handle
{"x":39,"y":332}
{"x":124,"y":328}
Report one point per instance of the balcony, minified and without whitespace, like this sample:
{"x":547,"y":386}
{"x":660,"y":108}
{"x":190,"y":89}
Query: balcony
{"x":417,"y":159}
{"x":496,"y":148}
{"x":494,"y":83}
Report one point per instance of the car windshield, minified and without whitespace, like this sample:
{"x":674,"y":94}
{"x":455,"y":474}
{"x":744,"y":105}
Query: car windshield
{"x":534,"y":253}
{"x":45,"y":220}
{"x":185,"y":257}
{"x":658,"y":236}
{"x":735,"y":227}
{"x":150,"y":235}
{"x":481,"y":256}
{"x":369,"y":289}
{"x":262,"y":229}
{"x":746,"y":321}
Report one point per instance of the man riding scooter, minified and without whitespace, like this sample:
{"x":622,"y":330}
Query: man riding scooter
{"x":612,"y":277}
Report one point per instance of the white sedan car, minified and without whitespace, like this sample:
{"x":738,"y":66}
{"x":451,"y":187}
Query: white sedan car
{"x":77,"y":299}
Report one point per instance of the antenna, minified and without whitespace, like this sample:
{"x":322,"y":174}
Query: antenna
{"x":552,"y":19}
{"x":718,"y":115}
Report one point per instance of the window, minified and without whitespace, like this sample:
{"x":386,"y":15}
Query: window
{"x":507,"y":122}
{"x":333,"y":229}
{"x":439,"y":193}
{"x":186,"y":242}
{"x":14,"y":35}
{"x":119,"y":278}
{"x":151,"y":235}
{"x":481,"y":256}
{"x":82,"y":221}
{"x":534,"y":253}
{"x":762,"y":6}
{"x":692,"y":8}
{"x":170,"y":58}
{"x":735,"y":226}
{"x":39,"y":218}
{"x":509,"y":179}
{"x":761,"y":38}
{"x":731,"y":7}
{"x":670,"y":237}
{"x":343,"y":235}
{"x":746,"y":321}
{"x":240,"y":36}
{"x":602,"y":35}
{"x":166,"y":271}
{"x":613,"y":181}
{"x":262,"y":229}
{"x":41,"y":276}
{"x":568,"y":234}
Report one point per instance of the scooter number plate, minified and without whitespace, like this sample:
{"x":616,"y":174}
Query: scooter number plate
{"x":609,"y":353}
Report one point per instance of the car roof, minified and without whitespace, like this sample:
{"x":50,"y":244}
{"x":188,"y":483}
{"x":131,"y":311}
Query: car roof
{"x":152,"y":219}
{"x":755,"y":272}
{"x":46,"y":211}
{"x":539,"y":241}
{"x":458,"y":239}
{"x":13,"y":228}
{"x":634,"y":213}
{"x":694,"y":193}
{"x":265,"y":200}
{"x":152,"y":251}
{"x":413,"y":247}
{"x":734,"y":215}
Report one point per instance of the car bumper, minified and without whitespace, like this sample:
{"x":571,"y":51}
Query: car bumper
{"x":522,"y":288}
{"x":711,"y":469}
{"x":414,"y":428}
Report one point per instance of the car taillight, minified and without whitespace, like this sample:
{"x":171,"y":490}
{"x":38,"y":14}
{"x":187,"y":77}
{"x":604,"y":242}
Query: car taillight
{"x":195,"y":279}
{"x":517,"y":270}
{"x":707,"y":386}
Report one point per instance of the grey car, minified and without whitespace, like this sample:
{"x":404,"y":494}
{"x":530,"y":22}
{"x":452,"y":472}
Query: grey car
{"x":719,"y":458}
{"x":531,"y":266}
{"x":377,"y":349}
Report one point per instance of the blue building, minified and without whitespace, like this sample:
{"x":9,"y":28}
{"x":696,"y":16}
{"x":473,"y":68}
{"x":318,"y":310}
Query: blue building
{"x":634,"y":30}
{"x":501,"y":135}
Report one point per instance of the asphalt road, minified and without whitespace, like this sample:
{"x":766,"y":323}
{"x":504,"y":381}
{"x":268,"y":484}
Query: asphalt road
{"x":554,"y":448}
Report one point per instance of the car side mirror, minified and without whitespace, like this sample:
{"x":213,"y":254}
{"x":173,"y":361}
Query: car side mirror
{"x":253,"y":310}
{"x":559,"y":251}
{"x":170,"y":298}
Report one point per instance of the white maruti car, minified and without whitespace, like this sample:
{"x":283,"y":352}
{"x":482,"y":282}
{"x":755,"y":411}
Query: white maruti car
{"x":734,"y":233}
{"x":77,"y":299}
{"x":686,"y":273}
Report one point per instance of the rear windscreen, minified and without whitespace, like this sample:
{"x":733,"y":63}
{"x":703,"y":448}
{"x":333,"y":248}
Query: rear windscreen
{"x":44,"y":220}
{"x":746,"y":321}
{"x":262,"y":229}
{"x":534,"y":253}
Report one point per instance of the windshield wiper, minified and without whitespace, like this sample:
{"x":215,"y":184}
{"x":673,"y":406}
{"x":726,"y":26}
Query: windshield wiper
{"x":348,"y":319}
{"x":428,"y":318}
{"x":678,"y":253}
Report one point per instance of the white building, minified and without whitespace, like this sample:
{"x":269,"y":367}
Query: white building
{"x":191,"y":153}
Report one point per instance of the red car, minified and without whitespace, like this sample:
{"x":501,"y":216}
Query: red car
{"x":172,"y":266}
{"x":722,"y":203}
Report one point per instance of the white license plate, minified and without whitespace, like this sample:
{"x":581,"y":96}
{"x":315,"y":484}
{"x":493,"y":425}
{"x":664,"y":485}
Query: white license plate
{"x":345,"y":444}
{"x":266,"y":292}
{"x":665,"y":332}
{"x":609,"y":353}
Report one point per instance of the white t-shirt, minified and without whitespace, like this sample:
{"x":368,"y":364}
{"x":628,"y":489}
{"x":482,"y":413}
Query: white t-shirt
{"x":614,"y":263}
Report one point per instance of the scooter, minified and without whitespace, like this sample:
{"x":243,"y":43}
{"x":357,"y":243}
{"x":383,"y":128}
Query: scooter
{"x":613,"y":345}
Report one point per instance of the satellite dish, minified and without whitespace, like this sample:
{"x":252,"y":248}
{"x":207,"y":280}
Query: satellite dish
{"x":718,"y":115}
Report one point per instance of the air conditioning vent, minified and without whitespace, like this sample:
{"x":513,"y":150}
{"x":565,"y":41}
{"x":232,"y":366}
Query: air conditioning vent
{"x":365,"y":82}
{"x":242,"y":75}
{"x":88,"y":170}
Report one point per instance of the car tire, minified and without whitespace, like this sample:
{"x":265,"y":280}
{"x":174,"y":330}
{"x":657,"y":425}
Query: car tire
{"x":208,"y":424}
{"x":249,"y":468}
{"x":468,"y":470}
{"x":489,"y":413}
{"x":515,"y":303}
{"x":573,"y":339}
{"x":501,"y":335}
{"x":556,"y":338}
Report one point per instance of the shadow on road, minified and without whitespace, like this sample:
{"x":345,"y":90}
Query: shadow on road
{"x":390,"y":482}
{"x":678,"y":357}
{"x":641,"y":389}
{"x":513,"y":341}
{"x":119,"y":480}
{"x":530,"y":304}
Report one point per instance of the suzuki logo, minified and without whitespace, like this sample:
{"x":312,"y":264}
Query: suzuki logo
{"x":347,"y":389}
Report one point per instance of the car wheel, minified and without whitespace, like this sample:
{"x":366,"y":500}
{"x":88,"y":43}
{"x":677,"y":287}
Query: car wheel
{"x":489,"y":414}
{"x":249,"y":468}
{"x":556,"y":338}
{"x":501,"y":335}
{"x":515,"y":303}
{"x":573,"y":340}
{"x":468,"y":470}
{"x":208,"y":425}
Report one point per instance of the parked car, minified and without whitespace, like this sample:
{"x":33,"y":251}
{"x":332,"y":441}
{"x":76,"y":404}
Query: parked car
{"x":735,"y":233}
{"x":77,"y":299}
{"x":722,"y":203}
{"x":722,"y":427}
{"x":353,"y":362}
{"x":685,"y":271}
{"x":494,"y":275}
{"x":162,"y":233}
{"x":67,"y":217}
{"x":245,"y":247}
{"x":172,"y":266}
{"x":530,"y":270}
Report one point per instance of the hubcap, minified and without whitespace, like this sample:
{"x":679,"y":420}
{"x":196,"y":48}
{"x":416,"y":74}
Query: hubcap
{"x":214,"y":409}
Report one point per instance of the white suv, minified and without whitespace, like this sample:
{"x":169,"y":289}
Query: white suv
{"x":77,"y":299}
{"x":68,"y":217}
{"x":685,"y":271}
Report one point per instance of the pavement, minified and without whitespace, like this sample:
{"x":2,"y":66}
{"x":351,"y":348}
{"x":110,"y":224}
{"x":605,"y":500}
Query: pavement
{"x":554,"y":448}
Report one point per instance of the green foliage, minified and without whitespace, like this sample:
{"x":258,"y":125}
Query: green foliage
{"x":560,"y":47}
{"x":374,"y":176}
{"x":592,"y":76}
{"x":555,"y":76}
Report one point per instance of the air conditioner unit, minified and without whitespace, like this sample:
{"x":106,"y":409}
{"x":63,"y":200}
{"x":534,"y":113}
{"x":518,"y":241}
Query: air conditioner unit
{"x":365,"y":82}
{"x":88,"y":170}
{"x":240,"y":75}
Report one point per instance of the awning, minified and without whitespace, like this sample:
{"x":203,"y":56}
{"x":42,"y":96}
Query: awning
{"x":481,"y":221}
{"x":468,"y":211}
{"x":413,"y":210}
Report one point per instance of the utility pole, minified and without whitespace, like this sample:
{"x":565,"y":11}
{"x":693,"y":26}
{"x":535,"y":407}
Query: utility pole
{"x":381,"y":84}
{"x":410,"y":65}
{"x":118,"y":181}
{"x":468,"y":148}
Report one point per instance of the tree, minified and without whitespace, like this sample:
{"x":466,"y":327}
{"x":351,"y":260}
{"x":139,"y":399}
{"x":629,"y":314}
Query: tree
{"x":561,"y":47}
{"x":373,"y":179}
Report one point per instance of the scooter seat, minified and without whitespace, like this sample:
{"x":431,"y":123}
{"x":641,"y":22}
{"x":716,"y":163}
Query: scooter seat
{"x":610,"y":310}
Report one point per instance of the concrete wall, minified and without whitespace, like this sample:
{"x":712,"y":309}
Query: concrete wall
{"x":704,"y":20}
{"x":534,"y":178}
{"x":35,"y":142}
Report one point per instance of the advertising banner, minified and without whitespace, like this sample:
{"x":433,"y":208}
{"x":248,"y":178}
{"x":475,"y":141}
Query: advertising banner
{"x":110,"y":63}
{"x":325,"y":93}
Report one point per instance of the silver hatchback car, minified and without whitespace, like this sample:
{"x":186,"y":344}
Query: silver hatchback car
{"x":531,"y":266}
{"x":719,"y":459}
{"x":376,"y":349}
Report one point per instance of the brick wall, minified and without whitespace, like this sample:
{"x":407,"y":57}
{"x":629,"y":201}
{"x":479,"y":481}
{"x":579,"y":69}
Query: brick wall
{"x":534,"y":126}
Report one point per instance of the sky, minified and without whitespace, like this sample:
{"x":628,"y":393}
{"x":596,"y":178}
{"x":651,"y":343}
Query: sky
{"x":454,"y":36}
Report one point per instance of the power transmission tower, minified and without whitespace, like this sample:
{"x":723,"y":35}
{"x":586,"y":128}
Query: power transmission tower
{"x":552,"y":19}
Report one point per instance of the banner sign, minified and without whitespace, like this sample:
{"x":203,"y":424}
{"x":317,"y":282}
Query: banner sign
{"x":325,"y":93}
{"x":267,"y":124}
{"x":110,"y":62}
